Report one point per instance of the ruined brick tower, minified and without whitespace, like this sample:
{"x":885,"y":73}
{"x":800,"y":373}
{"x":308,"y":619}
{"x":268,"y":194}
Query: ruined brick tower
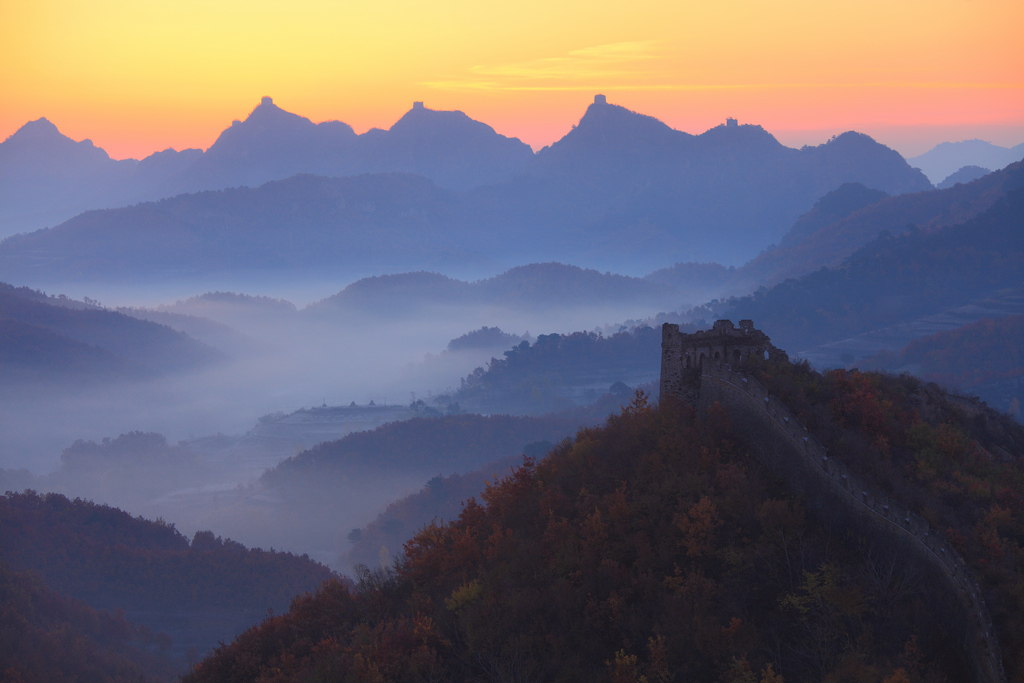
{"x":683,"y":355}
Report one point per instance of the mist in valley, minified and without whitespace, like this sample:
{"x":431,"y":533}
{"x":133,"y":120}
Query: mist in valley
{"x":189,"y":446}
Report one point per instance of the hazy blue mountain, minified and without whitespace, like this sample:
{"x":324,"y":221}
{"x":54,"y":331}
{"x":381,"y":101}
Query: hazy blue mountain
{"x":46,"y":177}
{"x":270,"y":144}
{"x":484,"y":338}
{"x":303,"y":223}
{"x":448,"y":147}
{"x":623,"y":188}
{"x":43,"y":338}
{"x":209,"y":332}
{"x":539,"y":284}
{"x":398,"y":293}
{"x":964,"y":175}
{"x":31,"y":352}
{"x":898,"y":278}
{"x":825,"y":237}
{"x":946,"y":158}
{"x":695,"y":282}
{"x":835,"y":205}
{"x":532,"y":287}
{"x":621,"y":191}
{"x":213,"y":304}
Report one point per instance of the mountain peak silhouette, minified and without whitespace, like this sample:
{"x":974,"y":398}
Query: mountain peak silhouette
{"x":448,"y":147}
{"x":41,"y":128}
{"x":602,"y":118}
{"x":268,"y":116}
{"x":42,"y":138}
{"x":609,"y":129}
{"x":420,"y":119}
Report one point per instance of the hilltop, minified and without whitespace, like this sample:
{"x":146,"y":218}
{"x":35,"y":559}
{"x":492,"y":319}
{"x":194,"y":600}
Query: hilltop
{"x":657,"y":546}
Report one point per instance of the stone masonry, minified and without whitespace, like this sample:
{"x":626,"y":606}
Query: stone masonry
{"x":683,"y":355}
{"x":706,"y":368}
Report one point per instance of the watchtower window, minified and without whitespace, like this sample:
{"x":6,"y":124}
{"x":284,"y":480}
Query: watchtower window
{"x":718,"y":356}
{"x":736,"y":356}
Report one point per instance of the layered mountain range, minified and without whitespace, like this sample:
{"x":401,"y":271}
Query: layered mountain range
{"x":437,"y":191}
{"x":48,"y":177}
{"x":948,"y":158}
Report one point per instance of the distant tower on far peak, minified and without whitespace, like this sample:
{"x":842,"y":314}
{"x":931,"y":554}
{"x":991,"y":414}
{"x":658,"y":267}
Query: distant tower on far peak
{"x":417,"y":105}
{"x":267,"y":100}
{"x":600,"y":99}
{"x":731,"y":123}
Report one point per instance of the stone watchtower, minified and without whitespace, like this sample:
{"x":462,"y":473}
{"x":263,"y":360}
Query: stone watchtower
{"x":683,"y":355}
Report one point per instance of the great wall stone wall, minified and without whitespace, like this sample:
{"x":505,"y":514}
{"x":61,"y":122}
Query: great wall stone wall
{"x":787,"y":448}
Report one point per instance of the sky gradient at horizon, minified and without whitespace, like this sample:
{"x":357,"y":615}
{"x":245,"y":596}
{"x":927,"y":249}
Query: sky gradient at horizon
{"x":137,"y":77}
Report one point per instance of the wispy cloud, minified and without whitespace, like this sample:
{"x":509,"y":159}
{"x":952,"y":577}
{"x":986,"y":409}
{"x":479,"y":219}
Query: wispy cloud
{"x":467,"y":84}
{"x":578,"y":69}
{"x":634,"y":65}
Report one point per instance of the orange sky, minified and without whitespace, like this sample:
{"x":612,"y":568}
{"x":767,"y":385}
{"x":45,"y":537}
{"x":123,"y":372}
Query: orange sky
{"x":137,"y":76}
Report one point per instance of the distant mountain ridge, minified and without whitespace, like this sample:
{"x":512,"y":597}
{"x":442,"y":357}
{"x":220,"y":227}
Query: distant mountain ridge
{"x":533,"y":286}
{"x":847,"y":219}
{"x":965,"y":175}
{"x":919,"y":271}
{"x":49,"y":178}
{"x":620,"y":191}
{"x":41,"y":338}
{"x":448,"y":147}
{"x":946,"y":158}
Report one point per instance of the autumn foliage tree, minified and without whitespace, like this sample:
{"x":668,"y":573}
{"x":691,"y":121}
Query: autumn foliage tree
{"x":654,"y":548}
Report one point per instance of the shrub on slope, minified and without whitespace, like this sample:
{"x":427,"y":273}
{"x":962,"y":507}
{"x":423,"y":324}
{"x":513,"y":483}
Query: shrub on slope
{"x":653,"y":547}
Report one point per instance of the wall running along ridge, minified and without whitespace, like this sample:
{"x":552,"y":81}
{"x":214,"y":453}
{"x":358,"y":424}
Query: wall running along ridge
{"x":789,"y":450}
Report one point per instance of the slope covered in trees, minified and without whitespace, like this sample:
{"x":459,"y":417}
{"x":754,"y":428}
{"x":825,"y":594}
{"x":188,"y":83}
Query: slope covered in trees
{"x":110,"y":560}
{"x":966,"y":357}
{"x":422,"y":444}
{"x":48,"y":638}
{"x":657,"y":548}
{"x":983,"y":357}
{"x":438,"y":501}
{"x":558,"y":370}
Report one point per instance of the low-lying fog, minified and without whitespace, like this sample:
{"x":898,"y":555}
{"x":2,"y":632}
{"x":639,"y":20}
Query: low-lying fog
{"x":278,"y":359}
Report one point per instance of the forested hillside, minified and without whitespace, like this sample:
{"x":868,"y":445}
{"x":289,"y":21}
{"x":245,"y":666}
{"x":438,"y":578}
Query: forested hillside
{"x":657,"y":548}
{"x":439,"y":501}
{"x":48,"y":638}
{"x":559,"y":370}
{"x":985,"y":357}
{"x":198,"y":592}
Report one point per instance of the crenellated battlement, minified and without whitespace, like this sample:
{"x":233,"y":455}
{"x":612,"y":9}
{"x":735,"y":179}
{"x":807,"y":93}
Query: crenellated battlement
{"x":683,"y":355}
